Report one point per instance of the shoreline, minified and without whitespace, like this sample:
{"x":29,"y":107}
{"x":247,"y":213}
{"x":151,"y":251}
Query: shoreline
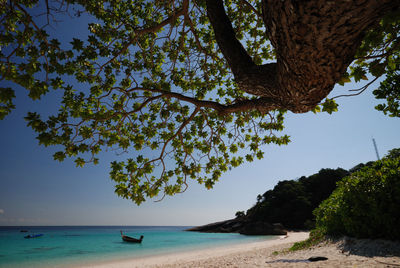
{"x":343,"y":252}
{"x":183,"y":259}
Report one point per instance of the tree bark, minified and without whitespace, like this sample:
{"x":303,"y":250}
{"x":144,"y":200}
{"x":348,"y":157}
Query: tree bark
{"x":315,"y":42}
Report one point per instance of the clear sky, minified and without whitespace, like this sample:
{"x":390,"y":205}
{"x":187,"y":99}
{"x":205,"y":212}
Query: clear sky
{"x":36,"y":190}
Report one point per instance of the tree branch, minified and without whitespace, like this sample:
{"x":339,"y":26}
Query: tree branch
{"x":167,"y":21}
{"x":244,"y":2}
{"x":360,"y":90}
{"x":231,"y":48}
{"x":262,"y":104}
{"x":151,"y":29}
{"x":259,"y":80}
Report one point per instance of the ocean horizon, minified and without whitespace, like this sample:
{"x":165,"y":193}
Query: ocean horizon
{"x":64,"y":246}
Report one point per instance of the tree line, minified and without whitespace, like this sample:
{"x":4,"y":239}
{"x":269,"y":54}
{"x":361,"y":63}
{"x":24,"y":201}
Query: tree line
{"x":292,"y":202}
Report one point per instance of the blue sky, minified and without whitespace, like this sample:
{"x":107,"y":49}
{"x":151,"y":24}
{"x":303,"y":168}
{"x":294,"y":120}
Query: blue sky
{"x":36,"y":190}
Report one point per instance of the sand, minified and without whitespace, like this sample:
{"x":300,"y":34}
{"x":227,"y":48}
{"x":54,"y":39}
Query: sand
{"x":344,"y":252}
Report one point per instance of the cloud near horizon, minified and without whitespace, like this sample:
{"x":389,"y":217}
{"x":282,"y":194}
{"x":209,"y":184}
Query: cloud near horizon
{"x":1,"y":211}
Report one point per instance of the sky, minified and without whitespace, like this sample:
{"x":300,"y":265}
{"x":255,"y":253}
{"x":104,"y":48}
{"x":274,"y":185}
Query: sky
{"x":36,"y":190}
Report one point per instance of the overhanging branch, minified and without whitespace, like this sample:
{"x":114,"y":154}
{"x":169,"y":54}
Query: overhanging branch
{"x":259,"y":80}
{"x":231,"y":48}
{"x":262,"y":104}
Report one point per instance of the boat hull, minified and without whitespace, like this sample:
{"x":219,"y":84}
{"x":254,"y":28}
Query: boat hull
{"x":131,"y":239}
{"x":33,"y":236}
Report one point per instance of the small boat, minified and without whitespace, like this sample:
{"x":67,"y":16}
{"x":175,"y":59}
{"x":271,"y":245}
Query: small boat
{"x":33,"y":235}
{"x":131,"y":239}
{"x":24,"y":231}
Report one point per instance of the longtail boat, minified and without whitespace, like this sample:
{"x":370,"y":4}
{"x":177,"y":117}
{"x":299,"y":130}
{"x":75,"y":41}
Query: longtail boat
{"x":33,"y":235}
{"x":131,"y":239}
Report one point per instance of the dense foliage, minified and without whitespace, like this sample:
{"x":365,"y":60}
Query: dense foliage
{"x":389,"y":90}
{"x":150,"y":78}
{"x":292,"y":202}
{"x":142,"y":81}
{"x":366,"y":204}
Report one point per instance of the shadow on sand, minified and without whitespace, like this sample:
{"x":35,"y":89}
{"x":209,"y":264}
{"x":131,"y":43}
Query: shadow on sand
{"x":369,"y":247}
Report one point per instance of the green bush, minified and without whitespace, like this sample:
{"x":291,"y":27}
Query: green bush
{"x":365,"y":204}
{"x":316,"y":237}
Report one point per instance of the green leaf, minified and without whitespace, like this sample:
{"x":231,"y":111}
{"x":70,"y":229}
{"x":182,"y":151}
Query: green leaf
{"x":344,"y":79}
{"x":59,"y":156}
{"x":80,"y":162}
{"x":329,"y":106}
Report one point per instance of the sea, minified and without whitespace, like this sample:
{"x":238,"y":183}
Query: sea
{"x":66,"y":246}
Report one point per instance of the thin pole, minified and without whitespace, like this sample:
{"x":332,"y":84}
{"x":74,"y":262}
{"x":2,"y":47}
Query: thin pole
{"x":376,"y":149}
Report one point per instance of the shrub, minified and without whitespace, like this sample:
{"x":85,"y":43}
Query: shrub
{"x":365,"y":204}
{"x":316,"y":237}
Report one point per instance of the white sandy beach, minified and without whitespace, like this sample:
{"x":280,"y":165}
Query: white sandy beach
{"x":342,"y":253}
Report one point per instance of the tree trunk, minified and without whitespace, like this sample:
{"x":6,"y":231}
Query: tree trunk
{"x":315,"y":42}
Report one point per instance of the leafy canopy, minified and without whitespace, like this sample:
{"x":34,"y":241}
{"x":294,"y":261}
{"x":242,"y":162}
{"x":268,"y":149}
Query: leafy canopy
{"x":149,"y":78}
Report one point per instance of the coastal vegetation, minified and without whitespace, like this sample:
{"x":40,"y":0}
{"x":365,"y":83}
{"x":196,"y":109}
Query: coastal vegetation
{"x":192,"y":87}
{"x":316,"y":236}
{"x":365,"y":204}
{"x":292,"y":202}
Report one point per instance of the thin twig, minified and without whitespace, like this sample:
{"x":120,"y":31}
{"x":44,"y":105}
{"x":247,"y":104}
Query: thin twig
{"x":360,"y":90}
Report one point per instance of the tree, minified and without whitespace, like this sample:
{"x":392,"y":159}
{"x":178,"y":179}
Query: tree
{"x":187,"y":84}
{"x":292,"y":202}
{"x":394,"y":153}
{"x":365,"y":204}
{"x":288,"y":203}
{"x":319,"y":186}
{"x":239,"y":214}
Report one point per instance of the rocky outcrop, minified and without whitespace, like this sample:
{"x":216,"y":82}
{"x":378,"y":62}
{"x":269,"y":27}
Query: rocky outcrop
{"x":263,"y":228}
{"x":243,"y":226}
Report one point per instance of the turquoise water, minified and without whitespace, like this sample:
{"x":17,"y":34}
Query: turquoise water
{"x":73,"y":245}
